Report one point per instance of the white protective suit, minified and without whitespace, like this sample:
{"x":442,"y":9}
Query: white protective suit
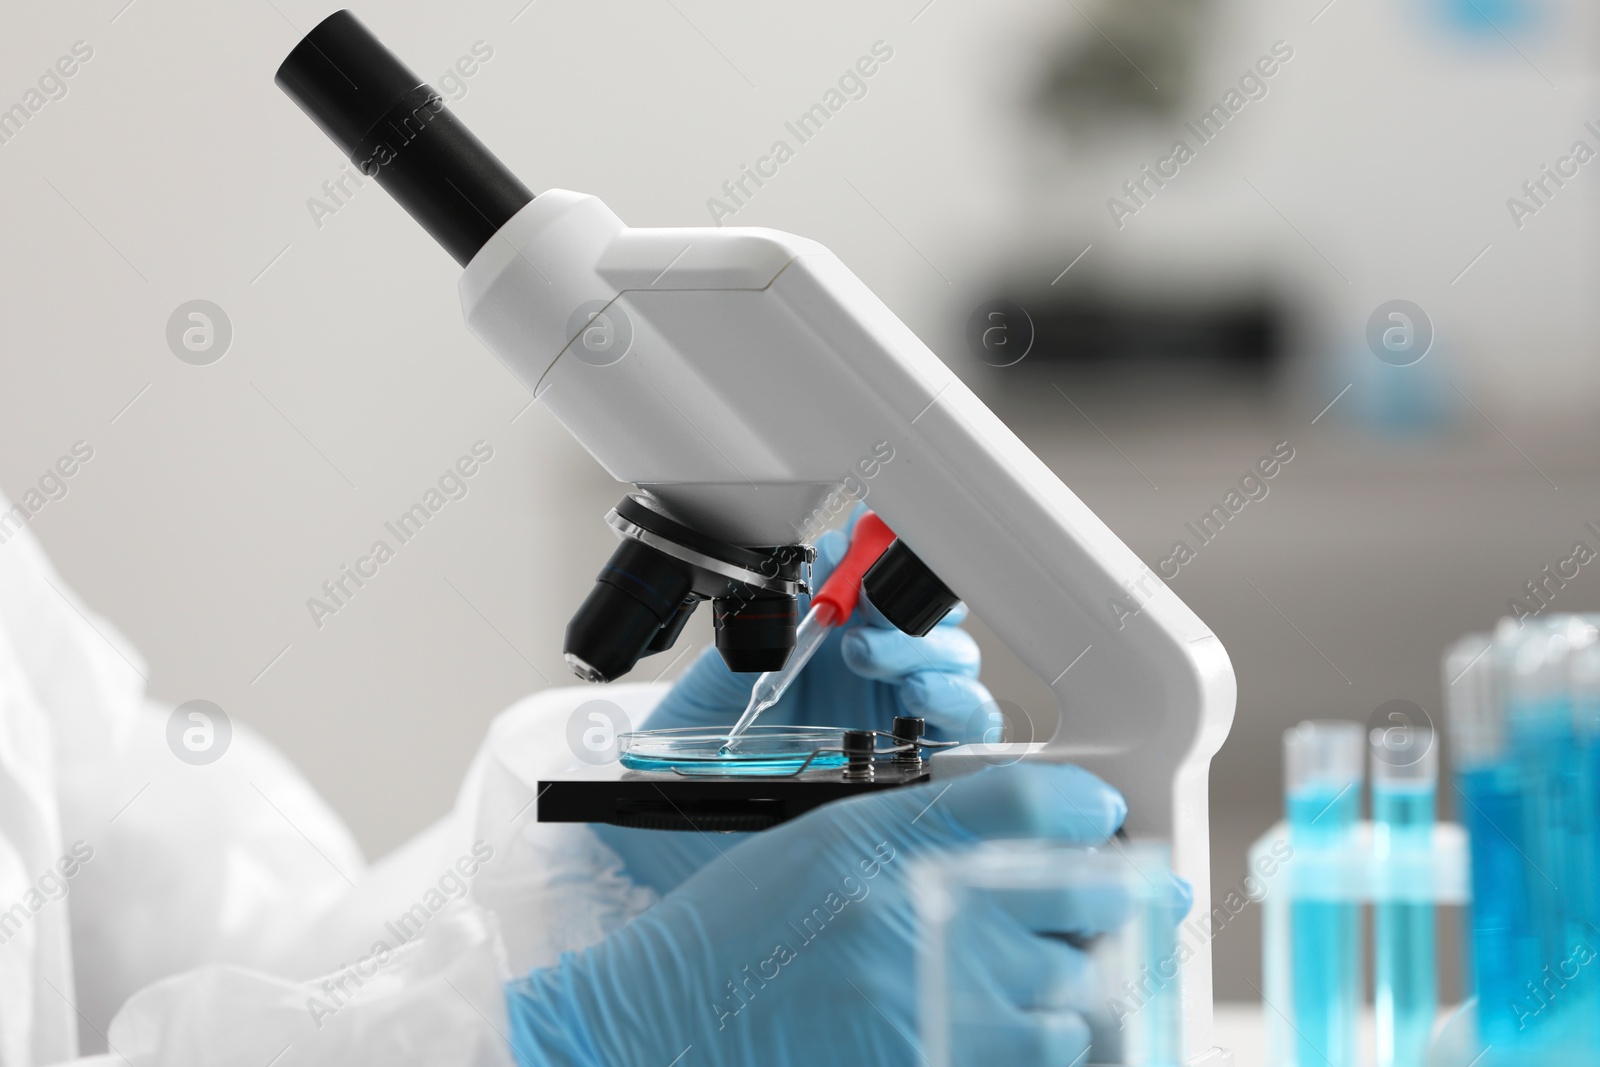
{"x":219,"y":915}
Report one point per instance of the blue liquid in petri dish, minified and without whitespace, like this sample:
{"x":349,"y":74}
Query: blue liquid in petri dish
{"x":733,"y":765}
{"x":1325,"y":936}
{"x":762,"y":750}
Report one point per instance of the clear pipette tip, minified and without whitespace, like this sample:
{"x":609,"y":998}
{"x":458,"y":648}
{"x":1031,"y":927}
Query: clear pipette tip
{"x":771,"y":686}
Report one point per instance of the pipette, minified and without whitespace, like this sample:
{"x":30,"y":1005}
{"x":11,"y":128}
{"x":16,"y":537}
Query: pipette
{"x":831,"y":607}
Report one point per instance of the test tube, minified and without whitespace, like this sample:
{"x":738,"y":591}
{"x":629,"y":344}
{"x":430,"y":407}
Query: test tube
{"x":1323,"y":771}
{"x":1501,"y":950}
{"x":1405,"y":776}
{"x":1585,"y":876}
{"x":1540,"y":737}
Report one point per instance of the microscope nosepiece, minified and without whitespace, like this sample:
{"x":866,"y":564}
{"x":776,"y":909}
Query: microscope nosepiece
{"x":397,"y":130}
{"x":662,"y":569}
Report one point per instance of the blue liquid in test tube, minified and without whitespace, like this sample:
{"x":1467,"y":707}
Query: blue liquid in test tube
{"x":1323,"y":763}
{"x":1585,"y":877}
{"x":1405,"y":775}
{"x":1502,"y":951}
{"x":1524,"y":713}
{"x":1554,"y":770}
{"x":1549,"y":735}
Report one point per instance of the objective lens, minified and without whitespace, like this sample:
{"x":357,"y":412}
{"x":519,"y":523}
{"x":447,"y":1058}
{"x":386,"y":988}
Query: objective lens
{"x":667,"y":636}
{"x":637,"y":592}
{"x":755,"y":634}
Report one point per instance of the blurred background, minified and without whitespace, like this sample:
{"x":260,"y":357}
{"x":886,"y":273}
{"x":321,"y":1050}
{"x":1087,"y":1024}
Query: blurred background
{"x":1153,"y":321}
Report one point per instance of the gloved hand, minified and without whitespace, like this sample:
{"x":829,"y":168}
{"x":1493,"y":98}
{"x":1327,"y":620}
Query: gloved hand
{"x":799,"y":946}
{"x":865,"y":674}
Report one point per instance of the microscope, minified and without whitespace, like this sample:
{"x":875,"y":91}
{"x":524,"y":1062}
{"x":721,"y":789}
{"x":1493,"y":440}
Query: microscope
{"x":736,"y":377}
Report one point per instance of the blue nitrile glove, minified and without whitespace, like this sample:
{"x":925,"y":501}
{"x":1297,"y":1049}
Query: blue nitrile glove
{"x":799,"y":946}
{"x":864,"y":675}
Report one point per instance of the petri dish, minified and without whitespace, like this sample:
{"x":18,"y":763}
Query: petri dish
{"x":768,"y":750}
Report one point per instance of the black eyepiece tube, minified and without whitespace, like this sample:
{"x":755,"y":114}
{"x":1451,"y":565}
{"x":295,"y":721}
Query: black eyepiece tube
{"x":398,"y":130}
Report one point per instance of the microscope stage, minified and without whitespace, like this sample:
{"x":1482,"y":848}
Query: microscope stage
{"x":657,"y":800}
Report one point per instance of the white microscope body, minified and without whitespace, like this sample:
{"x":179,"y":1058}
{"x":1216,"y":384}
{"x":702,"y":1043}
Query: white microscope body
{"x":739,"y":375}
